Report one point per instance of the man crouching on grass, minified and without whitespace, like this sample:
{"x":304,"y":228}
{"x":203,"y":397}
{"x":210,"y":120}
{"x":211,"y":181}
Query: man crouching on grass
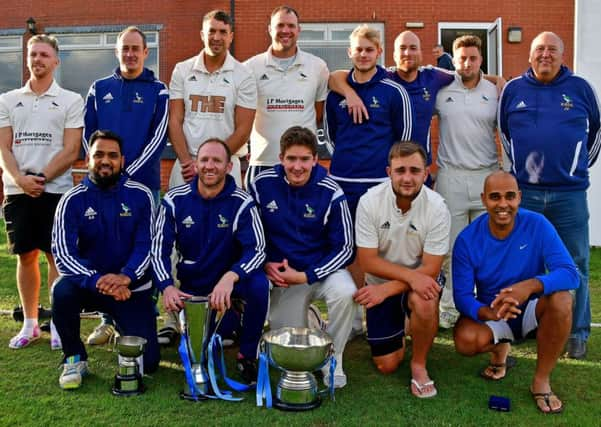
{"x":522,"y":273}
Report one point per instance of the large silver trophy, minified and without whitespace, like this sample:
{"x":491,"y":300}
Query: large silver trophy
{"x":195,"y":321}
{"x":297,"y":352}
{"x":128,"y":381}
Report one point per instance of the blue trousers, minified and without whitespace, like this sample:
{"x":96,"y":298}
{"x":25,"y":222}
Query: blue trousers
{"x":135,"y":316}
{"x":254,"y":291}
{"x":568,"y":212}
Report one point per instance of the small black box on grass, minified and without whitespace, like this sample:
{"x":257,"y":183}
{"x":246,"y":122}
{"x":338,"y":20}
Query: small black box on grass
{"x":499,"y":403}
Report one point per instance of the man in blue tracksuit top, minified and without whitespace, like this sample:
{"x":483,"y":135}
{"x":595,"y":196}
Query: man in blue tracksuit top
{"x":133,"y":103}
{"x":219,"y":240}
{"x":522,"y":273}
{"x":309,"y":235}
{"x":550,"y":129}
{"x":360,"y":153}
{"x":101,"y":241}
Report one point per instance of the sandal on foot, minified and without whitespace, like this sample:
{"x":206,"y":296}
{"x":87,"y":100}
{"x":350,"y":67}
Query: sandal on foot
{"x":21,"y":340}
{"x":510,"y":362}
{"x":419,"y":389}
{"x":546,"y":398}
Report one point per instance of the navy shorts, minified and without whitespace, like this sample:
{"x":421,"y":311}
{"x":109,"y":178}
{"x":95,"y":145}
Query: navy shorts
{"x":386,"y":325}
{"x":29,"y":221}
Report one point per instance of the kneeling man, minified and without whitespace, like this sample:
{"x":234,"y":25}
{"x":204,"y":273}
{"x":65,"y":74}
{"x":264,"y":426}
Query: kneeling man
{"x":309,"y":241}
{"x":220,"y":245}
{"x":522,"y":273}
{"x":402,"y":231}
{"x":101,"y":241}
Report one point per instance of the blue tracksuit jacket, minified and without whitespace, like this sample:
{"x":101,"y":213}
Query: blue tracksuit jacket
{"x":138,"y":111}
{"x":310,"y":226}
{"x":360,"y":151}
{"x":97,"y":232}
{"x":551,"y":132}
{"x":211,"y":236}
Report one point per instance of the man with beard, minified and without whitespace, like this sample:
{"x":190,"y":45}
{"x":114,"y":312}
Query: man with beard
{"x":551,"y":130}
{"x":402,"y":231}
{"x":220,"y":247}
{"x":522,"y":273}
{"x":292,"y":86}
{"x":467,"y":152}
{"x":40,"y":137}
{"x":210,"y":95}
{"x":101,"y":240}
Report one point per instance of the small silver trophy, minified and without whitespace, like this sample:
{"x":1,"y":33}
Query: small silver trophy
{"x":297,"y":352}
{"x":128,"y":381}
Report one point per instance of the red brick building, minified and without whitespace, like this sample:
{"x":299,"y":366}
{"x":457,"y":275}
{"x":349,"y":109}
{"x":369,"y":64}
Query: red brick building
{"x":86,"y":30}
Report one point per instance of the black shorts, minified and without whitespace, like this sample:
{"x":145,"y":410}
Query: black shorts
{"x":386,"y":325}
{"x":29,"y":221}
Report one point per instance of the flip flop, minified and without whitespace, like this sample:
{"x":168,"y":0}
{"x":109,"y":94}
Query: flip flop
{"x":510,"y":362}
{"x":419,"y":388}
{"x":546,"y":397}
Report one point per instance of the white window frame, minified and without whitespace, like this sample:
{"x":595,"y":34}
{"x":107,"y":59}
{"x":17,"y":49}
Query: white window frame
{"x":16,"y":48}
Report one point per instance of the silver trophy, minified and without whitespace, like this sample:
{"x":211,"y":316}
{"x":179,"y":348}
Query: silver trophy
{"x":195,"y":321}
{"x":128,"y":381}
{"x":297,"y":352}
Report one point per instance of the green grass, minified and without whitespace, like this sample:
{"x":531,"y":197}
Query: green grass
{"x":29,"y":392}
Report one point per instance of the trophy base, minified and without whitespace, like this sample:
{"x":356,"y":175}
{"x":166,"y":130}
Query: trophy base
{"x":296,"y":407}
{"x":190,"y":398}
{"x":117,"y":392}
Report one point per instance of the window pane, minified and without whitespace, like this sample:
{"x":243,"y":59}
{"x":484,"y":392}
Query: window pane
{"x":151,"y":38}
{"x":335,"y":56}
{"x":341,"y":34}
{"x":10,"y":71}
{"x":111,"y":39}
{"x":311,"y":35}
{"x":10,"y":42}
{"x":78,"y":39}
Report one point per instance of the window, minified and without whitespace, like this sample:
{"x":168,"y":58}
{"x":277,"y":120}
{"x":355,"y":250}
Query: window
{"x":331,"y":41}
{"x":86,"y":57}
{"x":11,"y":62}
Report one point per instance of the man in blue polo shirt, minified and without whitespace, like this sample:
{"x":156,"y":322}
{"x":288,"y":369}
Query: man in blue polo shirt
{"x":522,"y":273}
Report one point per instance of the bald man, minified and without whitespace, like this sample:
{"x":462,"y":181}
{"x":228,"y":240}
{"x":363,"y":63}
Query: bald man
{"x":550,"y":129}
{"x":522,"y":273}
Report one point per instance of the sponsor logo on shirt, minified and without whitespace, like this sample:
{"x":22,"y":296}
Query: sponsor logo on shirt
{"x":521,"y":104}
{"x":309,"y":211}
{"x":20,"y":104}
{"x":207,"y":104}
{"x":138,"y":99}
{"x":188,"y":222}
{"x":90,"y":213}
{"x":567,"y":103}
{"x":522,"y":247}
{"x":426,"y":95}
{"x":223,"y":222}
{"x":264,"y":77}
{"x":285,"y":104}
{"x":108,"y":98}
{"x":125,"y":210}
{"x":385,"y":226}
{"x":374,"y":102}
{"x":192,"y":78}
{"x":449,"y":99}
{"x":272,"y":206}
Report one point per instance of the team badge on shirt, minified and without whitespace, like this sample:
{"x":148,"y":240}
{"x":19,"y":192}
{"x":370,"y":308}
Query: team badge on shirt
{"x":188,"y":222}
{"x":374,"y":102}
{"x":449,"y":99}
{"x":138,"y":99}
{"x":192,"y":78}
{"x":223,"y":223}
{"x":53,"y":106}
{"x":309,"y":211}
{"x":426,"y":95}
{"x":125,"y":210}
{"x":20,"y":104}
{"x":90,"y":213}
{"x":567,"y":103}
{"x":272,"y":206}
{"x":264,"y":77}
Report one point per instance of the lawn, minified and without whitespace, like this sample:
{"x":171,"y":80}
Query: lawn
{"x":29,"y":392}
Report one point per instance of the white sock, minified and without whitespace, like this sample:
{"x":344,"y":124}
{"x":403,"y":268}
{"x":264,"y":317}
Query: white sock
{"x":28,"y":326}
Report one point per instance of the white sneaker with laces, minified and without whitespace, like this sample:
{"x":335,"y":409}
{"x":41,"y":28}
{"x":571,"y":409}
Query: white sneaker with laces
{"x":73,"y":371}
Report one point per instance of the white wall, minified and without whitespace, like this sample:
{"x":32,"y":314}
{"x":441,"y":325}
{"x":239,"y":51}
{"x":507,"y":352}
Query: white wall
{"x":587,"y":62}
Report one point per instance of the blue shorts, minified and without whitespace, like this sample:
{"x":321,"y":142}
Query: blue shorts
{"x":516,"y":330}
{"x":386,"y":325}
